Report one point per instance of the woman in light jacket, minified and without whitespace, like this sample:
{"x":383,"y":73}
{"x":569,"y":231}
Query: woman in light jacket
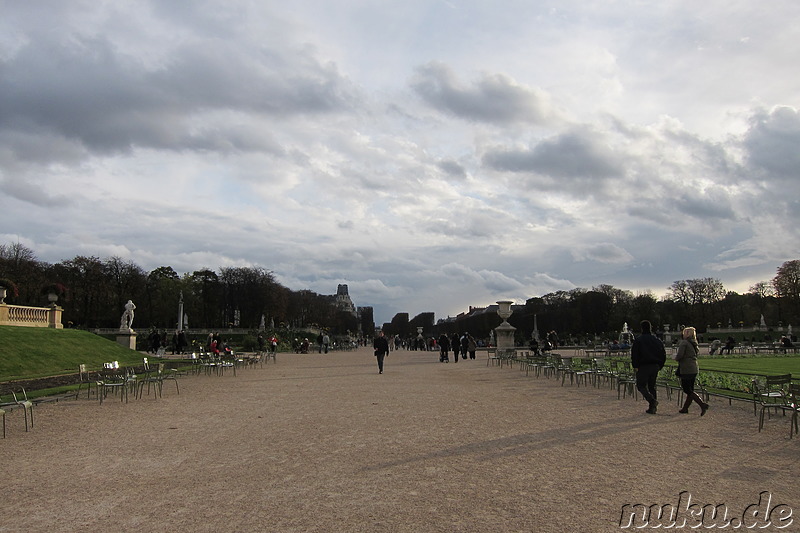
{"x":687,"y":369}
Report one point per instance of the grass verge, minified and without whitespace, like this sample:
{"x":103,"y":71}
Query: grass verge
{"x":28,"y":353}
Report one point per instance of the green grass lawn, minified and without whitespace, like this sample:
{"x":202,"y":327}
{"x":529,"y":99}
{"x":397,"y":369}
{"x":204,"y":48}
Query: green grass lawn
{"x":27,"y":353}
{"x":732,"y":376}
{"x":760,"y":365}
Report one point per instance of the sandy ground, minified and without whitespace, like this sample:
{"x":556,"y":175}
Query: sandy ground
{"x":324,"y":443}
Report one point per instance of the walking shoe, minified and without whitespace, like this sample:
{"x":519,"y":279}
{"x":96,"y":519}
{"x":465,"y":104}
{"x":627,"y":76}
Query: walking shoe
{"x":651,"y":411}
{"x":684,"y":411}
{"x":703,"y":409}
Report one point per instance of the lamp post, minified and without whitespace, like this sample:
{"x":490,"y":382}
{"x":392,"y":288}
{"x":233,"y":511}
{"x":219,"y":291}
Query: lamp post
{"x":180,"y":312}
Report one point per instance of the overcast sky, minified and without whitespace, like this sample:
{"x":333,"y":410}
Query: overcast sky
{"x":430,"y":154}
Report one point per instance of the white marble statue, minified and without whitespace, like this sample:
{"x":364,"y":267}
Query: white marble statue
{"x":126,"y":322}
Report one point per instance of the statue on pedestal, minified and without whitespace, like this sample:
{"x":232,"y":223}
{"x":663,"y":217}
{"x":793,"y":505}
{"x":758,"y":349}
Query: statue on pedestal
{"x":126,"y":322}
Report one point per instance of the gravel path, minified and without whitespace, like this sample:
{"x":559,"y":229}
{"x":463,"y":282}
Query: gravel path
{"x":323,"y":443}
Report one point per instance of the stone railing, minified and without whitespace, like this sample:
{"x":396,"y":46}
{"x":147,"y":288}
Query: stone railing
{"x":31,"y":317}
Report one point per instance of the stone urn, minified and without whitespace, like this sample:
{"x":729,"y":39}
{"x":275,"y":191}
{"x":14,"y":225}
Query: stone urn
{"x":52,"y":298}
{"x":3,"y":293}
{"x":504,"y":309}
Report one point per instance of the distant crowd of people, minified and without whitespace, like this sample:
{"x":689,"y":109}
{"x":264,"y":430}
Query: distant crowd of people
{"x":158,"y":342}
{"x":785,"y":344}
{"x":459,"y":344}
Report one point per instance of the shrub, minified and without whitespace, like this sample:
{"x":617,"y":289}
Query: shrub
{"x":10,"y":286}
{"x":54,"y":288}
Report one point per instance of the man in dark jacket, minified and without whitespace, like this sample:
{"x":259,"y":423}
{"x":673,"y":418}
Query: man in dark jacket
{"x":648,"y":356}
{"x":381,"y":346}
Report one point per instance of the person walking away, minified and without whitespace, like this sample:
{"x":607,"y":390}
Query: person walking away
{"x":464,"y":345}
{"x":688,"y":369}
{"x":183,"y":341}
{"x":326,"y":341}
{"x":472,"y":346}
{"x":381,"y":346}
{"x":261,"y":342}
{"x":648,"y":356}
{"x":455,"y":344}
{"x":444,"y":348}
{"x":273,"y":342}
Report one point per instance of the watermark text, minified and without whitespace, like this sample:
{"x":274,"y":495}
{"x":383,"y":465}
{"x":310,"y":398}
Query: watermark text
{"x":686,"y":513}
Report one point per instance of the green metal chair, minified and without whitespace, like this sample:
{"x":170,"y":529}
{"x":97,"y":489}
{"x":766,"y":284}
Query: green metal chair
{"x":772,"y":395}
{"x":27,"y":407}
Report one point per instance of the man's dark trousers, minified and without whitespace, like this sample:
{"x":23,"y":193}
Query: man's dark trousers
{"x":646,"y":382}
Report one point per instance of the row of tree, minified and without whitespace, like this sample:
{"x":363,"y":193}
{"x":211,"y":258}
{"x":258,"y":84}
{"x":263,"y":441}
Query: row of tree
{"x":93,"y":293}
{"x":583,"y":314}
{"x":96,"y":292}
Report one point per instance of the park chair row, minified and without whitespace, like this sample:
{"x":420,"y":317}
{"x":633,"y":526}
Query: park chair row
{"x":218,"y":364}
{"x":771,"y":394}
{"x":596,"y":371}
{"x":124,"y":381}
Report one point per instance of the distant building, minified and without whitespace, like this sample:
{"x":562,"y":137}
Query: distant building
{"x":343,"y":301}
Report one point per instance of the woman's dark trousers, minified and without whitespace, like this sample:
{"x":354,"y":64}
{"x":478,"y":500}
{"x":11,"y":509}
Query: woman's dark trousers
{"x":687,"y":384}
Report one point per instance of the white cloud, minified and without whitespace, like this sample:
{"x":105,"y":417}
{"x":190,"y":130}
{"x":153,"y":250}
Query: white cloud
{"x":431,"y":156}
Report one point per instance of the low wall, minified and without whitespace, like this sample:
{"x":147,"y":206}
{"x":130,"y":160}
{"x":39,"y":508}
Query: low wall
{"x":30,"y":317}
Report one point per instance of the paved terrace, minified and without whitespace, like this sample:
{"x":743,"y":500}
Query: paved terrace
{"x":323,"y":443}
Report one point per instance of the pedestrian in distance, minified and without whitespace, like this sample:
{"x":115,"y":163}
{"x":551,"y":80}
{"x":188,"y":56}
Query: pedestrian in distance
{"x":444,"y":348}
{"x":455,"y":344}
{"x":381,"y":346}
{"x":648,"y":356}
{"x":464,"y":345}
{"x":326,"y":341}
{"x":472,"y":346}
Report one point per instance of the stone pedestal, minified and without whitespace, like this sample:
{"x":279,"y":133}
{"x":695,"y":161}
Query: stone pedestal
{"x":127,"y":339}
{"x":505,"y":340}
{"x":54,"y":317}
{"x":505,"y":331}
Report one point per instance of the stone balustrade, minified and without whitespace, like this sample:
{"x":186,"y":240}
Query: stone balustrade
{"x":32,"y":317}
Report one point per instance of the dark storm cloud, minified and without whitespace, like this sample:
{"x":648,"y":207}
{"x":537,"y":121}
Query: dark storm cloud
{"x":773,"y":143}
{"x":85,"y":89}
{"x":575,"y":155}
{"x":31,"y":193}
{"x":494,"y":99}
{"x":708,"y":205}
{"x":452,"y":168}
{"x":479,"y":225}
{"x":602,"y":253}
